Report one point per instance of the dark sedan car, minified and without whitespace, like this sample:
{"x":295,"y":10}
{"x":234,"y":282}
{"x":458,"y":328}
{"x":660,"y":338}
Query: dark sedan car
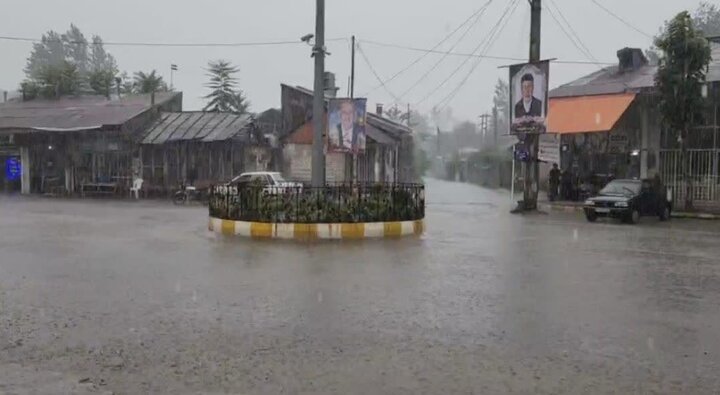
{"x":629,"y":200}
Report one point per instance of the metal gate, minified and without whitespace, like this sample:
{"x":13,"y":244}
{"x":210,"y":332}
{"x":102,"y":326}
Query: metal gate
{"x":703,"y":169}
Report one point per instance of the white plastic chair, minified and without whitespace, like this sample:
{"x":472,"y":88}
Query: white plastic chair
{"x":136,"y":187}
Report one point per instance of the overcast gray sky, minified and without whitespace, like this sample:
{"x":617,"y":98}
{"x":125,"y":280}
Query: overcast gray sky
{"x":405,"y":22}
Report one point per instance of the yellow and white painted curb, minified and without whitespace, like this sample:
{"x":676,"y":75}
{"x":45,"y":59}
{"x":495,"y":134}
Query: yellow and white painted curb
{"x":316,"y":231}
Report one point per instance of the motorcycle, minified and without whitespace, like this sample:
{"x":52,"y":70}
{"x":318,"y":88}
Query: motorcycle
{"x":187,"y":194}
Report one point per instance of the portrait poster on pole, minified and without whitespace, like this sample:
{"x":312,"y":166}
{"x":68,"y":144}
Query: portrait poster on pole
{"x":529,"y":97}
{"x":346,"y":125}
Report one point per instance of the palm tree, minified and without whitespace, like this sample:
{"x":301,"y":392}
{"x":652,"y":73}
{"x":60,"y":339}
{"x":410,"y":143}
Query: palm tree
{"x":224,"y":95}
{"x":148,"y":83}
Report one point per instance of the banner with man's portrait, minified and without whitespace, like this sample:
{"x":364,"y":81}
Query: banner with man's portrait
{"x":529,"y":97}
{"x":346,"y":125}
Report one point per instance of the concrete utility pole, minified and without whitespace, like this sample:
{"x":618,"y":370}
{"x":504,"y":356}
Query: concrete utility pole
{"x":495,"y":126}
{"x":484,"y":128}
{"x":532,"y":170}
{"x":352,"y":70}
{"x":318,"y":155}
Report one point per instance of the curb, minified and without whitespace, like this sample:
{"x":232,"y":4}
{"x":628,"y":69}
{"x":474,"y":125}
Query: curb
{"x":675,"y":214}
{"x":339,"y":231}
{"x":561,"y":208}
{"x":680,"y":214}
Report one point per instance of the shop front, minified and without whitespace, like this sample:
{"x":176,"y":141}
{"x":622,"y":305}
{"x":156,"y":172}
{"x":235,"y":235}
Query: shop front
{"x":602,"y":137}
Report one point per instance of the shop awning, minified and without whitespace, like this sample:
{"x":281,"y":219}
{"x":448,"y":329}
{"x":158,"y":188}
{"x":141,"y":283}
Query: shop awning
{"x":584,"y":114}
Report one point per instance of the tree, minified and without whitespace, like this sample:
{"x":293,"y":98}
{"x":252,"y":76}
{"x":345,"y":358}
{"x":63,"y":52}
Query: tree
{"x":101,"y":81}
{"x":54,"y":81}
{"x":53,"y":57}
{"x":394,"y":114}
{"x":101,"y":59}
{"x":103,"y":68}
{"x":679,"y":80}
{"x":50,"y":51}
{"x":224,"y":95}
{"x":707,"y":19}
{"x":145,"y":83}
{"x":76,"y":49}
{"x":501,"y":101}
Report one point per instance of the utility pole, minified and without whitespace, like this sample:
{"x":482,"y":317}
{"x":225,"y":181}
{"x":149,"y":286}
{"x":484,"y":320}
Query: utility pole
{"x":408,"y":115}
{"x":484,"y":127}
{"x":532,"y":170}
{"x":318,"y":155}
{"x":495,"y":126}
{"x":352,"y":70}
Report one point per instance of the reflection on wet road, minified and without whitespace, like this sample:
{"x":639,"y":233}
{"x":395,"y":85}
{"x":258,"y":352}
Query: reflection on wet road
{"x":141,"y":298}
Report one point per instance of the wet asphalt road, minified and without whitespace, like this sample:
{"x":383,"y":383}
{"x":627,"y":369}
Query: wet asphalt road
{"x":127,"y":298}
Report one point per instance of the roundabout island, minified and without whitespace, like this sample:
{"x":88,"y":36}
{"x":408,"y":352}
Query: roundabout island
{"x":341,"y":211}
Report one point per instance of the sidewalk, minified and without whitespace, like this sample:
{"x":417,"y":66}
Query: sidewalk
{"x":572,"y":207}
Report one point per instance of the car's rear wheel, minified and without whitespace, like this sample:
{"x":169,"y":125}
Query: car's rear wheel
{"x":665,"y":214}
{"x":591,"y":216}
{"x":633,"y":217}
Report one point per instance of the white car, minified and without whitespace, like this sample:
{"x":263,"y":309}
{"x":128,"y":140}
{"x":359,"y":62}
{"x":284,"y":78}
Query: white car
{"x":273,"y":183}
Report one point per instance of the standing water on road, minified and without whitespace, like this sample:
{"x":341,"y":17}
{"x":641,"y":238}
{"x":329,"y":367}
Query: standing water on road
{"x":140,"y":297}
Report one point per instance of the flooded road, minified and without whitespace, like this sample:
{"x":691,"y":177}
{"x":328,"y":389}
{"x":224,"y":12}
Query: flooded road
{"x":127,"y":298}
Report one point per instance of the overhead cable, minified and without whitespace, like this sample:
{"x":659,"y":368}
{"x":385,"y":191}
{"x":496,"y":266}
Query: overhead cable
{"x":498,"y":30}
{"x":426,"y":53}
{"x":377,"y":76}
{"x":439,"y":61}
{"x":619,"y":18}
{"x":483,"y":44}
{"x":160,"y":44}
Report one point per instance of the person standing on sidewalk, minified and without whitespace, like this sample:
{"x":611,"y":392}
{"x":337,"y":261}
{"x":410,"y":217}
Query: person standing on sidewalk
{"x":554,"y":182}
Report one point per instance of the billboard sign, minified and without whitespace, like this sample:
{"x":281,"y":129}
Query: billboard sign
{"x":549,"y":148}
{"x":528,"y":97}
{"x":346,"y":125}
{"x":13,"y":169}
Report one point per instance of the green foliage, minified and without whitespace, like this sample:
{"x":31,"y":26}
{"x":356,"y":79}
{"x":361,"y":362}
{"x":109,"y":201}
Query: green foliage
{"x":101,"y":81}
{"x":681,"y":73}
{"x":76,"y":49}
{"x":707,"y":19}
{"x":101,"y":60}
{"x":342,"y":204}
{"x":49,"y":52}
{"x":224,"y":95}
{"x":66,"y":64}
{"x":145,"y":83}
{"x":53,"y":82}
{"x":679,"y":81}
{"x":395,"y":114}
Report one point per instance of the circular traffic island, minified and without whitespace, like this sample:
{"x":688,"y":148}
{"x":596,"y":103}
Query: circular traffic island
{"x":314,"y":213}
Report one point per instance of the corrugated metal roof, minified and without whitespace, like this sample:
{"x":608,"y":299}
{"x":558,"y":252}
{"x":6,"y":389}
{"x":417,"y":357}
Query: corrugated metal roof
{"x":610,"y":81}
{"x":379,"y":136}
{"x":201,"y":126}
{"x":75,"y":113}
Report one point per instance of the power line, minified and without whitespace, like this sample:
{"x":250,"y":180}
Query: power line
{"x":435,"y":66}
{"x":421,"y":57}
{"x":377,"y":76}
{"x":575,"y":37}
{"x":475,"y":50}
{"x":158,"y":44}
{"x":572,"y":35}
{"x":473,"y":55}
{"x":626,"y":23}
{"x":489,"y":43}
